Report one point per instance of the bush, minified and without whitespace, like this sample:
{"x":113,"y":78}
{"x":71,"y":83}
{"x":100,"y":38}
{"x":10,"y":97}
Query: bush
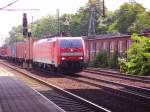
{"x":113,"y":60}
{"x":92,"y":64}
{"x":138,"y":60}
{"x":122,"y":63}
{"x":102,"y":59}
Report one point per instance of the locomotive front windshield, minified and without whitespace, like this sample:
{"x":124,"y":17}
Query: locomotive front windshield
{"x":71,"y":43}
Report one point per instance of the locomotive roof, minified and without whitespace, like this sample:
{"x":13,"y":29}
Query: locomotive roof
{"x":68,"y":38}
{"x":54,"y":39}
{"x":45,"y":40}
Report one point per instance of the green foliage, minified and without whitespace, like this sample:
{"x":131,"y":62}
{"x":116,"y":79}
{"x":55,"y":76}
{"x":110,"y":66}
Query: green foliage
{"x":44,"y":26}
{"x":138,"y":60}
{"x":79,"y":22}
{"x":130,"y":19}
{"x":104,"y":60}
{"x":92,"y":63}
{"x":142,"y":22}
{"x":15,"y":35}
{"x":122,"y":64}
{"x":113,"y":60}
{"x":101,"y":59}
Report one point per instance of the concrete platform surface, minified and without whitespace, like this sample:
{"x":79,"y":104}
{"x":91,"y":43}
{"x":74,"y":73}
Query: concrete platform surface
{"x":15,"y":96}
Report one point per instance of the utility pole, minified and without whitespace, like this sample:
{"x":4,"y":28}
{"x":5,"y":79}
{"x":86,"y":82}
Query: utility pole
{"x":25,"y":25}
{"x":58,"y":23}
{"x":103,"y":8}
{"x":25,"y":34}
{"x":66,"y":26}
{"x":91,"y":29}
{"x":92,"y":19}
{"x":132,"y":1}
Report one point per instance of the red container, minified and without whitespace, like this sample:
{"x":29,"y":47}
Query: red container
{"x":20,"y":50}
{"x":28,"y":51}
{"x":9,"y":51}
{"x":3,"y":51}
{"x":0,"y":51}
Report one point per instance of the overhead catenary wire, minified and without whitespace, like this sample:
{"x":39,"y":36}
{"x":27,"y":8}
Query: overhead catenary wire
{"x":8,"y":5}
{"x":4,"y":8}
{"x":20,"y":9}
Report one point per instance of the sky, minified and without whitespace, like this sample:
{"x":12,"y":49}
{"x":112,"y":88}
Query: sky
{"x":10,"y":19}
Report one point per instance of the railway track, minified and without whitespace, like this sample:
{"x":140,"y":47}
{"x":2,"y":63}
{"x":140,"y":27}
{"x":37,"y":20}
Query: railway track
{"x":67,"y":101}
{"x":132,"y":87}
{"x":116,"y":74}
{"x":126,"y":91}
{"x":114,"y":99}
{"x":138,"y":93}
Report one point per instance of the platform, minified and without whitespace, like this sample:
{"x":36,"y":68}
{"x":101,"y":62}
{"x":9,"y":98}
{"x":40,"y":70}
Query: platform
{"x":15,"y":96}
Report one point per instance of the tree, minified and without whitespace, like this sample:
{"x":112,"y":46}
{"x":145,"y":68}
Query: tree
{"x":44,"y":26}
{"x":65,"y":20}
{"x":104,"y":23}
{"x":142,"y":22}
{"x":15,"y":34}
{"x":126,"y":17}
{"x":79,"y":22}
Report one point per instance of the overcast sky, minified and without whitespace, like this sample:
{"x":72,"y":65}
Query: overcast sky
{"x":9,"y":19}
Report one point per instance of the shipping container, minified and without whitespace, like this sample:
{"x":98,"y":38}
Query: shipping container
{"x":20,"y":50}
{"x":28,"y":50}
{"x":0,"y":51}
{"x":4,"y":51}
{"x":9,"y":51}
{"x":13,"y":50}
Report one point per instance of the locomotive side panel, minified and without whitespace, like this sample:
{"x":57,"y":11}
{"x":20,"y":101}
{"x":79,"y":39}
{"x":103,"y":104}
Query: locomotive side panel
{"x":44,"y":51}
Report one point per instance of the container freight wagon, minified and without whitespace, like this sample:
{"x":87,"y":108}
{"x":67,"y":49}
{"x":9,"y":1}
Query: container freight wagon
{"x":20,"y":46}
{"x":13,"y":50}
{"x":0,"y":51}
{"x":9,"y":54}
{"x":28,"y":49}
{"x":3,"y":51}
{"x":62,"y":53}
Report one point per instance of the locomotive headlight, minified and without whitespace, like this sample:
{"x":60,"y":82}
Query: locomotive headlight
{"x":81,"y":58}
{"x":63,"y":58}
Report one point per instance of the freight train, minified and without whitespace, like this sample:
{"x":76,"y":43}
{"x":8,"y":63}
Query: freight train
{"x":64,"y":54}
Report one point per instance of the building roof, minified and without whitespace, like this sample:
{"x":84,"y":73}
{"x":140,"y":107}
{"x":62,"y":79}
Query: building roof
{"x":113,"y":35}
{"x":107,"y":36}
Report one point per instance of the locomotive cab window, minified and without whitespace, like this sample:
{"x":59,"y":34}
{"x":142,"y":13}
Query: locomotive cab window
{"x":71,"y":43}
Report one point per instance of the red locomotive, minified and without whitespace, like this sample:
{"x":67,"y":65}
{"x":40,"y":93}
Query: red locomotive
{"x":60,"y":53}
